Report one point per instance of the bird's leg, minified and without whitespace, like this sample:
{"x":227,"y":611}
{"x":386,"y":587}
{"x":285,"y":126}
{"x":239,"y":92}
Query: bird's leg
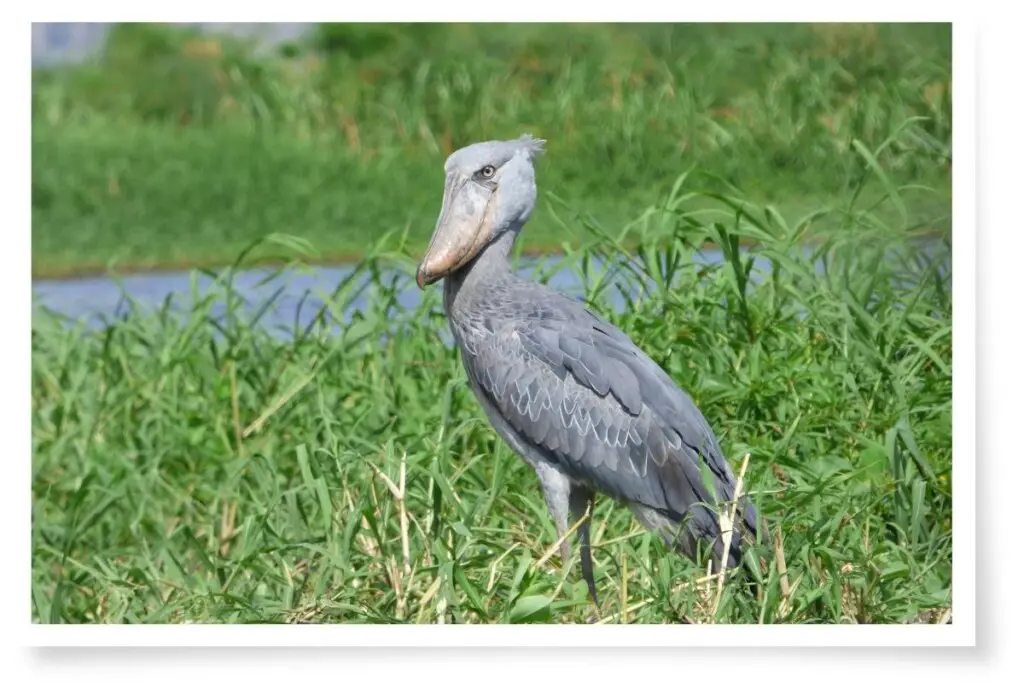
{"x":565,"y":500}
{"x":580,"y":499}
{"x":555,"y":487}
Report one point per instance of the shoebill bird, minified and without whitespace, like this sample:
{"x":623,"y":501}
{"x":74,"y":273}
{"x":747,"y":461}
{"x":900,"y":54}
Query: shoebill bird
{"x":571,"y":394}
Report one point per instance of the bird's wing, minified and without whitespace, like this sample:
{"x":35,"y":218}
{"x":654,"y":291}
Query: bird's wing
{"x":582,"y":394}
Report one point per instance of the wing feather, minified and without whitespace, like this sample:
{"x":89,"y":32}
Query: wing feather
{"x":585,"y":397}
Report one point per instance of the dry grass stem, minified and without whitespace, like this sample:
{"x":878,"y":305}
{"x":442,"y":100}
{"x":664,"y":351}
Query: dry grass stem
{"x":558,"y":544}
{"x":726,"y":523}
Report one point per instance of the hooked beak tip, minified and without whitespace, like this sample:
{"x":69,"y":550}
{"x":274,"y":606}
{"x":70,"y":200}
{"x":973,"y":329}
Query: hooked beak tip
{"x":426,"y":276}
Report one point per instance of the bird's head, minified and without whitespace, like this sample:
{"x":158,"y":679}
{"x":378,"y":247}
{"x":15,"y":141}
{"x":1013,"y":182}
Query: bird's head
{"x":489,"y":188}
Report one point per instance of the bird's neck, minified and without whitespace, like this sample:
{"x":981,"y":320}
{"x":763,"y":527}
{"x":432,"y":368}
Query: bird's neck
{"x":493,"y":259}
{"x":488,"y":269}
{"x":476,"y":288}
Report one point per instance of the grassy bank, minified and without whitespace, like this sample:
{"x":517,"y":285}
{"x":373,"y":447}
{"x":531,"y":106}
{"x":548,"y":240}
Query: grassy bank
{"x":201,"y":470}
{"x":176,"y":148}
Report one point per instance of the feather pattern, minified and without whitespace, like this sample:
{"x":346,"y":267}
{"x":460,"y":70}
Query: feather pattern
{"x":576,"y":391}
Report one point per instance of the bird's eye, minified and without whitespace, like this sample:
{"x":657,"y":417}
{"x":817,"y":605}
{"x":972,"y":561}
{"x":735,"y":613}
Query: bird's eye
{"x":487,"y":171}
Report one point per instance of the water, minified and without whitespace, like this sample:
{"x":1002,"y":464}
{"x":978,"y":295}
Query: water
{"x":98,"y":300}
{"x":58,"y":42}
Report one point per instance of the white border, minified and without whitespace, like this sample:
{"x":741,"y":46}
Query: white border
{"x":961,"y":632}
{"x":530,"y":635}
{"x":964,"y":483}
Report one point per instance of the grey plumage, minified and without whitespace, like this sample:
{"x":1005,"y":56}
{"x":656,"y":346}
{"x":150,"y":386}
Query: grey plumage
{"x":569,"y":392}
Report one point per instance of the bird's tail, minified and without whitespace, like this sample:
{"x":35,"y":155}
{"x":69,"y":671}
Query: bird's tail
{"x":699,"y":536}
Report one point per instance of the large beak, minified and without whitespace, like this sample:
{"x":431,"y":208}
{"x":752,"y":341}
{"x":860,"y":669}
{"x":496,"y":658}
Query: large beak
{"x":462,"y":228}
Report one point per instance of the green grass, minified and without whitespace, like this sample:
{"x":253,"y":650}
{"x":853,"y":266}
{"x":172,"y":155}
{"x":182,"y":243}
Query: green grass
{"x":203,"y":470}
{"x":176,"y":149}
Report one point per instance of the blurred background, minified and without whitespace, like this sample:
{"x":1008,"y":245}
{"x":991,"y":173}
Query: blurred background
{"x":167,"y":146}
